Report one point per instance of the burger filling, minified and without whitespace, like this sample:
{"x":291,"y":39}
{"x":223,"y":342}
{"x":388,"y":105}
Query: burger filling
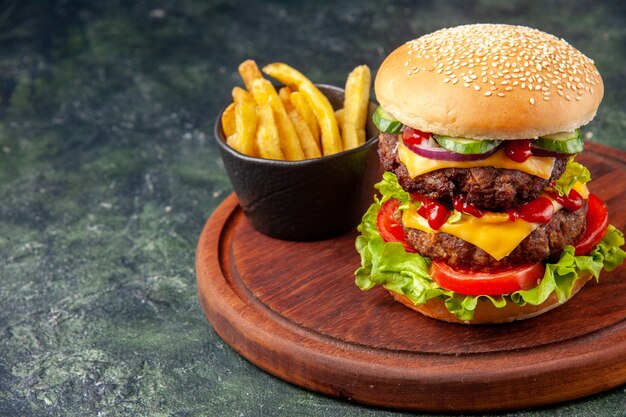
{"x":484,"y":187}
{"x":543,"y":242}
{"x":461,"y":219}
{"x":391,"y":257}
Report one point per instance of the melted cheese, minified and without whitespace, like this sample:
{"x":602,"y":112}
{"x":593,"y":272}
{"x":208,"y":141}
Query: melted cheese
{"x":494,"y":233}
{"x":582,"y":189}
{"x":418,"y":165}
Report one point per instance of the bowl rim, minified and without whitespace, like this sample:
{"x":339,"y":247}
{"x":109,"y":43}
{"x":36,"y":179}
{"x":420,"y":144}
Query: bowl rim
{"x":220,"y":139}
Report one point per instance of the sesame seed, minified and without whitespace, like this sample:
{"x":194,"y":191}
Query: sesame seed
{"x":494,"y":53}
{"x":532,"y":101}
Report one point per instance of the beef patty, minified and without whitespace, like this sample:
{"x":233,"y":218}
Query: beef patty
{"x":487,"y":188}
{"x":545,"y":241}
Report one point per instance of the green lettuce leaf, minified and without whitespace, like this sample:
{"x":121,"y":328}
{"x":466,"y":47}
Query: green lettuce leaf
{"x":574,"y":172}
{"x":389,"y":188}
{"x":389,"y":265}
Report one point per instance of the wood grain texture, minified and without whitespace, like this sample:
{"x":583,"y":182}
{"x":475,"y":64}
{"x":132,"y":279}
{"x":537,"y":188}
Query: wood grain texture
{"x":292,"y":309}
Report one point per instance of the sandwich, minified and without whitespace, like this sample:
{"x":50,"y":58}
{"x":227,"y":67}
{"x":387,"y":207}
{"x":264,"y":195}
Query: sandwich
{"x":484,"y":214}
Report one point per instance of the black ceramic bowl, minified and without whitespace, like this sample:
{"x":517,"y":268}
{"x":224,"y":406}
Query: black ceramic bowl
{"x":305,"y":200}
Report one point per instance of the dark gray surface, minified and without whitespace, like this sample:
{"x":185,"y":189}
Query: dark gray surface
{"x":108,"y":173}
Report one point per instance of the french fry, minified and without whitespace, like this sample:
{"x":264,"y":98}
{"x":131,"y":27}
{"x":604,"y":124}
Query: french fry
{"x":355,"y":105}
{"x":249,"y":72}
{"x":339,"y":117}
{"x":264,"y":93}
{"x":285,"y":96}
{"x":309,"y":146}
{"x":228,"y":120}
{"x":240,"y":95}
{"x":245,"y":125}
{"x":267,"y":134}
{"x":302,"y":105}
{"x":233,"y":142}
{"x":323,"y":110}
{"x":245,"y":121}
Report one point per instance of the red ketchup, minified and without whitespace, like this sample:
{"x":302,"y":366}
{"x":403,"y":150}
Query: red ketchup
{"x":433,"y":211}
{"x":518,"y":150}
{"x":540,"y":210}
{"x":460,"y":204}
{"x":412,"y":136}
{"x":572,"y":202}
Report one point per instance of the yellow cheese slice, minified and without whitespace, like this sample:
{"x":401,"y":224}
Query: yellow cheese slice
{"x":582,"y":189}
{"x":498,"y":237}
{"x":418,"y":165}
{"x":494,"y":233}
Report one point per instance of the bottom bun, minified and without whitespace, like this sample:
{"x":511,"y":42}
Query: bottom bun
{"x":486,"y":312}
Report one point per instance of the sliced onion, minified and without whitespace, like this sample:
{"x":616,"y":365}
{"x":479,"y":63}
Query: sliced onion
{"x":431,"y":149}
{"x":542,"y":152}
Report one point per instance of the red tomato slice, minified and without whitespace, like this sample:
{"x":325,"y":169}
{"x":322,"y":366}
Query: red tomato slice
{"x":596,"y":225}
{"x":487,"y":283}
{"x":388,"y":227}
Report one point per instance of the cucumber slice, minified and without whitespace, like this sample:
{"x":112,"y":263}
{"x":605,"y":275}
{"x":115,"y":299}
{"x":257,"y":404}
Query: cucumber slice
{"x":466,"y":146}
{"x":385,"y":122}
{"x":564,"y":142}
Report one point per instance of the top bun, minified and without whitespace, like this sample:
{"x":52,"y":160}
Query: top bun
{"x":489,"y":82}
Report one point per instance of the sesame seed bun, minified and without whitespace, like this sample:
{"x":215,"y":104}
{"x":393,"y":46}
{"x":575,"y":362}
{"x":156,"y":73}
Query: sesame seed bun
{"x":489,"y":82}
{"x":486,"y":312}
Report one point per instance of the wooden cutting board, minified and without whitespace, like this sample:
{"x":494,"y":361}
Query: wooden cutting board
{"x":292,"y":309}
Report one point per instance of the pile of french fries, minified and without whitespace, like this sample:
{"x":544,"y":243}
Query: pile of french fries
{"x":297,"y":122}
